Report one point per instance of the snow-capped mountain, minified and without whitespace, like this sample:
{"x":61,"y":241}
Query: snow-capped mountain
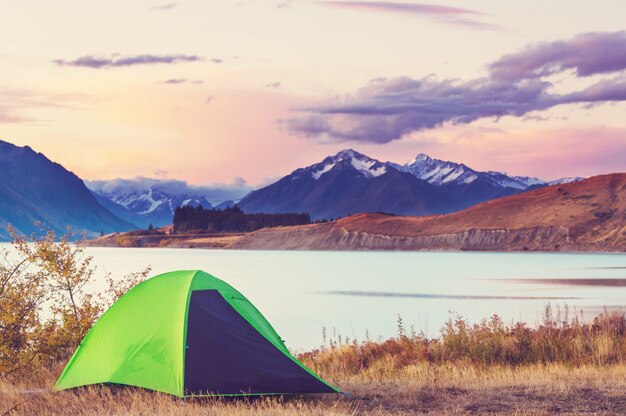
{"x":347,"y":183}
{"x":364,"y":165}
{"x":527,"y":181}
{"x":566,"y":180}
{"x":467,"y":185}
{"x":351,"y":182}
{"x":437,"y":172}
{"x":144,"y":206}
{"x":441,"y":172}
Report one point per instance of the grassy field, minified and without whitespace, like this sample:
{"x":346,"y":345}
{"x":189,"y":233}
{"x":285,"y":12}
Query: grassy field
{"x":563,"y":367}
{"x":419,"y":388}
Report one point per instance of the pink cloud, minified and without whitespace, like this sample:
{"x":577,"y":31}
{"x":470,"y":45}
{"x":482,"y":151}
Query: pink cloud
{"x":385,"y":110}
{"x":445,"y":14}
{"x":390,"y":6}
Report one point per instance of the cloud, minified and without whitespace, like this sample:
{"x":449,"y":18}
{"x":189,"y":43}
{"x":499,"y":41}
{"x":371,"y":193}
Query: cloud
{"x":167,"y":6}
{"x":113,"y":61}
{"x":411,"y":8}
{"x":213,"y":192}
{"x":175,"y":81}
{"x":7,"y":117}
{"x":444,"y":14}
{"x":273,"y":85}
{"x":17,"y":104}
{"x":587,"y":54}
{"x":388,"y":109}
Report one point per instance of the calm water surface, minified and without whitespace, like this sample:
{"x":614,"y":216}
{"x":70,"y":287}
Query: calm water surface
{"x":302,"y":291}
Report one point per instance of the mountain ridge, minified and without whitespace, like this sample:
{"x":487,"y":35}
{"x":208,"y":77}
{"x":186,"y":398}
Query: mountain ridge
{"x":348,"y":182}
{"x":587,"y":215}
{"x":35,"y":189}
{"x":321,"y":188}
{"x":151,"y":206}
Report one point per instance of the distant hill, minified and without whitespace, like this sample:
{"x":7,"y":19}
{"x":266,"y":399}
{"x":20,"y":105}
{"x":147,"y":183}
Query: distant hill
{"x":585,"y":215}
{"x":33,"y":188}
{"x":350,"y":182}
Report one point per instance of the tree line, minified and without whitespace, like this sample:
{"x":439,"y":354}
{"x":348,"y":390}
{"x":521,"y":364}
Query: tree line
{"x":231,"y":219}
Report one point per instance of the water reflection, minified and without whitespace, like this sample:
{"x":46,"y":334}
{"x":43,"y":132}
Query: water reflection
{"x":573,"y":282}
{"x":441,"y":296}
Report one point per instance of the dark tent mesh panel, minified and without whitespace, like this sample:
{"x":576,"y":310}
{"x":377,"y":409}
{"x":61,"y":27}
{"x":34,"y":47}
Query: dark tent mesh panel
{"x":226,"y":355}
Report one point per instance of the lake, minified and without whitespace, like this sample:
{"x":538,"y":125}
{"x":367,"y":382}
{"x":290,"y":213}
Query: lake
{"x":300,"y":292}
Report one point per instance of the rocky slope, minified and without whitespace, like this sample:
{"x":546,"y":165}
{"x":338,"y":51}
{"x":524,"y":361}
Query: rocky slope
{"x":588,"y":215}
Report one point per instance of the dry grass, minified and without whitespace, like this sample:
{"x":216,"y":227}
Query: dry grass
{"x":131,"y":239}
{"x":218,"y":241}
{"x":418,"y":388}
{"x":564,"y":366}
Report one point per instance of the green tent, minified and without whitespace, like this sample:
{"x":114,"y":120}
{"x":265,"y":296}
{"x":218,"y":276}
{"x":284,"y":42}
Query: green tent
{"x":188,"y":333}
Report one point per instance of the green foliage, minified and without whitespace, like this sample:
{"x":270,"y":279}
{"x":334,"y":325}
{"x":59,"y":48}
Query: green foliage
{"x":44,"y":308}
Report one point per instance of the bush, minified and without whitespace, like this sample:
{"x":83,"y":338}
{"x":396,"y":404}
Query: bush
{"x":558,"y":340}
{"x":44,"y":309}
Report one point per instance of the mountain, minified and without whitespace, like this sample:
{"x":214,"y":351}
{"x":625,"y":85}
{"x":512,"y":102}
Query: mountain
{"x":566,"y":180}
{"x":347,"y":183}
{"x":468,"y":186}
{"x":441,"y":173}
{"x":585,"y":215}
{"x":226,"y":204}
{"x":35,"y":189}
{"x":350,"y":182}
{"x":142,"y":205}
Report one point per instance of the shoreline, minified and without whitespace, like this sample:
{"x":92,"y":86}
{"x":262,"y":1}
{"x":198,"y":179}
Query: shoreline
{"x":224,"y":241}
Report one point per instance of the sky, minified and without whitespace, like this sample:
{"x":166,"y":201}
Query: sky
{"x":243,"y":92}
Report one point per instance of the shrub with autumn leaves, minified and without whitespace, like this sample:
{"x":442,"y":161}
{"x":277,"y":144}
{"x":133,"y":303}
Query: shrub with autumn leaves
{"x":45,"y":310}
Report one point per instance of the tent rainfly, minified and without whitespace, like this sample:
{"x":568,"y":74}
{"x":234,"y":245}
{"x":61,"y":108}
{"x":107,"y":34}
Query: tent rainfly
{"x":188,"y":333}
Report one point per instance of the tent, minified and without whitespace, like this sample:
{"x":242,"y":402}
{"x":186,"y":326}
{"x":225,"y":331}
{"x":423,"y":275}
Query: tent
{"x":188,"y":333}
